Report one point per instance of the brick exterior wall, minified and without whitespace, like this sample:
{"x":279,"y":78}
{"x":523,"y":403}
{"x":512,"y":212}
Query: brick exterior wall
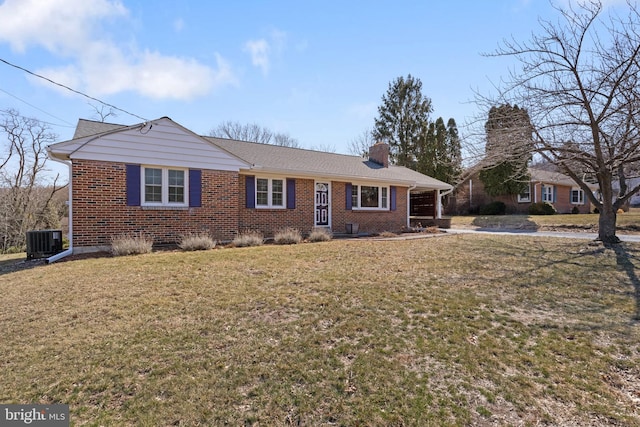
{"x":464,"y":204}
{"x":368,"y":221}
{"x":100,"y":210}
{"x":269,"y":221}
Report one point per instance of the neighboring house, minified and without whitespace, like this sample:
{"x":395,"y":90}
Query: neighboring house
{"x":631,"y":183}
{"x":544,"y":186}
{"x":161,"y":179}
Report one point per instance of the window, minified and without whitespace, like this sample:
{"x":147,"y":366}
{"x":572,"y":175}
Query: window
{"x":369,"y":197}
{"x":547,"y":193}
{"x":525,"y":196}
{"x":270,"y":193}
{"x":577,"y":196}
{"x":164,"y":187}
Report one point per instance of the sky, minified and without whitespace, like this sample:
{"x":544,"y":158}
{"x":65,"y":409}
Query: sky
{"x":315,"y":70}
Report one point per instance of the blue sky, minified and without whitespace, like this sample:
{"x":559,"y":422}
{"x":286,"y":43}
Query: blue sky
{"x":316,"y":70}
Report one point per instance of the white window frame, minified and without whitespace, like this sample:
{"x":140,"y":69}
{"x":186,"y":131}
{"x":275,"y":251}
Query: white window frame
{"x":580,"y":196}
{"x":384,"y":196}
{"x":164,"y":187}
{"x":270,"y":193}
{"x":547,"y":193}
{"x":526,"y":199}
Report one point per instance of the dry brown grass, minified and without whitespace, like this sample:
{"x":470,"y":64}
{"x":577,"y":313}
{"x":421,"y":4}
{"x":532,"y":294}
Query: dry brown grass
{"x":453,"y":330}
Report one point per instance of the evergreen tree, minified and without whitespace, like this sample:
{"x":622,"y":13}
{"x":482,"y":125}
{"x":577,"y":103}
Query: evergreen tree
{"x":507,"y":151}
{"x":403,"y":119}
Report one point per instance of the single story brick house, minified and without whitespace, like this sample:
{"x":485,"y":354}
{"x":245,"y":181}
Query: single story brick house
{"x":544,"y":186}
{"x":163,"y":180}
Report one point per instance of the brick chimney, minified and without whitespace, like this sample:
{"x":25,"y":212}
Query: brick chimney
{"x":379,"y":153}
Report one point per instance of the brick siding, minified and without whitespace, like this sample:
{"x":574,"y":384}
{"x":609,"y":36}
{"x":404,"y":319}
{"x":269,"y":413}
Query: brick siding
{"x":100,"y":210}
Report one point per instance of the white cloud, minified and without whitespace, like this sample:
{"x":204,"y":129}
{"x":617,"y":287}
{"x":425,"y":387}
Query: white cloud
{"x":262,"y":50}
{"x":99,"y":66}
{"x":259,"y":51}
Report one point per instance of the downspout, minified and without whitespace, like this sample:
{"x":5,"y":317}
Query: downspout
{"x":69,"y":251}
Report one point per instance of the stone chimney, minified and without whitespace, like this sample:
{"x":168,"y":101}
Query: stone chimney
{"x":379,"y":153}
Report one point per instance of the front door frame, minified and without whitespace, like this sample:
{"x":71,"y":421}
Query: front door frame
{"x":317,"y":206}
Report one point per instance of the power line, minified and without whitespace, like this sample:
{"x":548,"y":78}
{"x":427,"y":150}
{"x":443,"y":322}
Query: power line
{"x":72,"y":90}
{"x":39,"y":109}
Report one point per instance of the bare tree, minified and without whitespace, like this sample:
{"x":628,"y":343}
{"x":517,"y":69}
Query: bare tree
{"x":579,"y":81}
{"x":101,"y":114}
{"x":26,"y":198}
{"x":360,"y":145}
{"x":253,"y":133}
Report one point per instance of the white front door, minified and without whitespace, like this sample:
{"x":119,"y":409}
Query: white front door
{"x":322,"y":204}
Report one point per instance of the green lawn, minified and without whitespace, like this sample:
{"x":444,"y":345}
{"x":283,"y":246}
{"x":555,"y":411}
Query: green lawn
{"x":445,"y":330}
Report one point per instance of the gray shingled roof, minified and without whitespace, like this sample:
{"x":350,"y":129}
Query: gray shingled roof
{"x":89,"y":127}
{"x":273,"y":158}
{"x":309,"y":162}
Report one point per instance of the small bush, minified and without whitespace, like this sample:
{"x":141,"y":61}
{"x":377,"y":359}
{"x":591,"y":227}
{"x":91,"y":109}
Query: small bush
{"x":131,"y":245}
{"x":542,"y":208}
{"x":287,"y":236}
{"x":575,"y":210}
{"x":197,"y":242}
{"x":620,"y":211}
{"x":494,"y":208}
{"x":248,"y":238}
{"x":320,"y":235}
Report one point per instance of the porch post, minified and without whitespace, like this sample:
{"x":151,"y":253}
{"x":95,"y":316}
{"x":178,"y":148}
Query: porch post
{"x":438,"y":204}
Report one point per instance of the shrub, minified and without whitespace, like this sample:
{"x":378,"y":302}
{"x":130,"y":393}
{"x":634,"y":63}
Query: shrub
{"x":131,"y":244}
{"x":575,"y":210}
{"x":197,"y":242}
{"x":287,"y":236}
{"x":320,"y":235}
{"x":248,"y":238}
{"x":620,"y":211}
{"x":542,"y":208}
{"x":493,"y":208}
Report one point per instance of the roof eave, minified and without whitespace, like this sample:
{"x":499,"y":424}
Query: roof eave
{"x":342,"y":177}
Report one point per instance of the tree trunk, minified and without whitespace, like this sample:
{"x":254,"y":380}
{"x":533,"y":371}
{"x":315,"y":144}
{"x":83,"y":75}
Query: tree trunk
{"x":607,"y":225}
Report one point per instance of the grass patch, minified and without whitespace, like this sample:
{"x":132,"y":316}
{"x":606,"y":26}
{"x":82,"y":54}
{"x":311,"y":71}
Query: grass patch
{"x":459,"y":330}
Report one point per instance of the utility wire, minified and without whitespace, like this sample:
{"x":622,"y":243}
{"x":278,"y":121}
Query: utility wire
{"x":39,"y":109}
{"x":72,"y":90}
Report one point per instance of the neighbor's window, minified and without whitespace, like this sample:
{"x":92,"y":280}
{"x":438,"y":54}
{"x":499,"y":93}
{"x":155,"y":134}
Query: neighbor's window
{"x":369,"y":197}
{"x":547,"y":193}
{"x":270,"y":193}
{"x":577,"y":196}
{"x":525,"y":196}
{"x":164,"y":187}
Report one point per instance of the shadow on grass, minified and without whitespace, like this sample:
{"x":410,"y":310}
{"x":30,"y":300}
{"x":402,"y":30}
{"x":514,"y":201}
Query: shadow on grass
{"x":624,"y":259}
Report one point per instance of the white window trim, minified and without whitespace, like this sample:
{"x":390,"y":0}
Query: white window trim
{"x":581,"y":192}
{"x":270,"y":204}
{"x":525,"y":199}
{"x":380,"y":187}
{"x":165,"y":187}
{"x":545,"y":189}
